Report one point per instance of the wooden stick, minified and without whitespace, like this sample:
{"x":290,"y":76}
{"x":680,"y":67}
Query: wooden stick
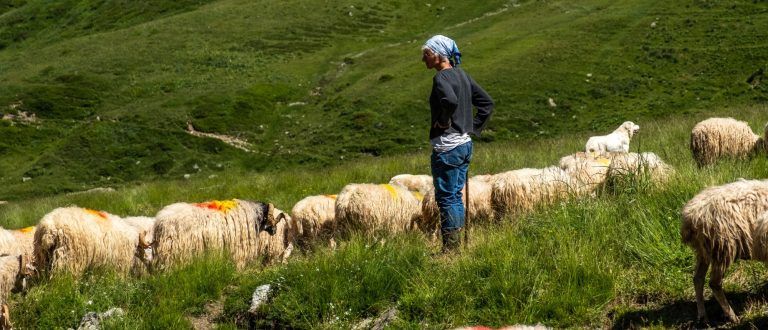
{"x":466,"y":209}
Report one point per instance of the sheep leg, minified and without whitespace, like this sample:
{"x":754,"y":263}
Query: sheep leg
{"x":5,"y":317}
{"x":698,"y":284}
{"x":716,"y":284}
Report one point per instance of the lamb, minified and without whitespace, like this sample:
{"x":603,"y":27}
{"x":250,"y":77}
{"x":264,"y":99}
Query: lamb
{"x":414,"y":182}
{"x":519,"y":191}
{"x":716,"y":138}
{"x":617,"y":141}
{"x":719,"y":224}
{"x":315,"y":215}
{"x":480,"y":207}
{"x":74,"y":239}
{"x":373,"y":208}
{"x":184,"y":231}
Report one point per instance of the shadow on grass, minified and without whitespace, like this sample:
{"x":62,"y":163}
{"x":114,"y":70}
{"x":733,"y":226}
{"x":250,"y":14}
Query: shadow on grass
{"x":681,"y":314}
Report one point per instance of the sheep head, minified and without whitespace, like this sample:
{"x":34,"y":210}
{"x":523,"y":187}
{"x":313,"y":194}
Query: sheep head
{"x":26,"y":271}
{"x":145,"y":251}
{"x":271,"y":219}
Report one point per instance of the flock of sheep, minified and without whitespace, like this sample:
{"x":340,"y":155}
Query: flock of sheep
{"x":721,"y":223}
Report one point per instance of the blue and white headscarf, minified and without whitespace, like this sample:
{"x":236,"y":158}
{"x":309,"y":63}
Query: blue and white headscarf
{"x":444,"y":47}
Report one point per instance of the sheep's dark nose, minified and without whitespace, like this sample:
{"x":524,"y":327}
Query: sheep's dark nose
{"x":269,"y":228}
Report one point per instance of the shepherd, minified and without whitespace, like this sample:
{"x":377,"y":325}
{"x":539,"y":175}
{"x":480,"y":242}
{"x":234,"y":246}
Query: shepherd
{"x":454,"y":94}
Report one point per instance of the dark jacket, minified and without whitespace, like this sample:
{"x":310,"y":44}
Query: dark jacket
{"x":454,"y":93}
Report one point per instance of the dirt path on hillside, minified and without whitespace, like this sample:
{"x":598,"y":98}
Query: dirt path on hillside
{"x":232,"y":141}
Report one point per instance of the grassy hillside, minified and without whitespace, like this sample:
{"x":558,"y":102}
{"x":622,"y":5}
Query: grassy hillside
{"x":611,"y":261}
{"x":307,"y":83}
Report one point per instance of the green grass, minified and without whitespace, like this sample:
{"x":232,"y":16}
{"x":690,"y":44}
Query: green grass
{"x":333,"y":93}
{"x":310,"y":84}
{"x":614,"y":260}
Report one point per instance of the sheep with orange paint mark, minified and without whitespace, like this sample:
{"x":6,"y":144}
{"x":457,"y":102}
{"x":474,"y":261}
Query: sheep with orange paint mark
{"x":184,"y":231}
{"x":17,"y":242}
{"x":374,"y":208}
{"x":74,"y":240}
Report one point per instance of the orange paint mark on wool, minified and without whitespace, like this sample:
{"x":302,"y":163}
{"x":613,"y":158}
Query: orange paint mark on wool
{"x":330,"y":196}
{"x":99,"y":214}
{"x":27,"y":229}
{"x":221,"y":206}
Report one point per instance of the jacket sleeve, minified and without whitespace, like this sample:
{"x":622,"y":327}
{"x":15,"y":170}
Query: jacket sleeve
{"x":484,"y":104}
{"x":449,"y":102}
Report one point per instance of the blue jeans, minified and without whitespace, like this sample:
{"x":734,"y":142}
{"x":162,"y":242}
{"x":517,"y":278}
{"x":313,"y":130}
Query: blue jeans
{"x":449,"y":172}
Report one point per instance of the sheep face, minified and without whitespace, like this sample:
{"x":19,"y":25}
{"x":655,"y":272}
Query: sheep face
{"x":271,"y":219}
{"x":26,"y":272}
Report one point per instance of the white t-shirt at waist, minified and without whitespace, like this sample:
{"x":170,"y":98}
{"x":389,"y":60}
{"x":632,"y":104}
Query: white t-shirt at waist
{"x":447,"y":142}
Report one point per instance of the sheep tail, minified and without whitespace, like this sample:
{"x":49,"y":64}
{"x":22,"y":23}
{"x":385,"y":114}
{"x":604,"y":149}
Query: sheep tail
{"x":687,"y":234}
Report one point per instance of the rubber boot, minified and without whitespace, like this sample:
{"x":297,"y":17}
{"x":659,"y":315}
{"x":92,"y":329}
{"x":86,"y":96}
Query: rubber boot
{"x":451,"y":241}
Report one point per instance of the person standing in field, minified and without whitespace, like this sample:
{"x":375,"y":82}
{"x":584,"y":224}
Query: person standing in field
{"x":454,"y":93}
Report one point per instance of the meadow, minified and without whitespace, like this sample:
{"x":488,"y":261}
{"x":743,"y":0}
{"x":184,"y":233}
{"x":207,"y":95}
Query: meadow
{"x":614,"y":260}
{"x":327,"y":94}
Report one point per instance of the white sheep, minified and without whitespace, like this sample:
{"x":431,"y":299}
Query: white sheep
{"x":16,"y":265}
{"x":588,"y":170}
{"x":617,"y":141}
{"x":278,"y":245}
{"x":185,"y":231}
{"x":17,"y":242}
{"x":719,"y":224}
{"x":480,"y":206}
{"x":12,"y":274}
{"x":716,"y":138}
{"x":519,"y":191}
{"x":414,"y":182}
{"x":74,"y":240}
{"x":372,"y":208}
{"x":144,"y":228}
{"x":315,"y":215}
{"x":646,"y":163}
